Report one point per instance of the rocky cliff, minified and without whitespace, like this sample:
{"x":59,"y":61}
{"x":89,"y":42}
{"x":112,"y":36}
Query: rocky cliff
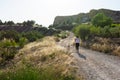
{"x":61,"y":21}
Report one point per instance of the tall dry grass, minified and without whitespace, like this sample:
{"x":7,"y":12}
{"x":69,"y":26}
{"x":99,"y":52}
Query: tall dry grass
{"x":45,"y":54}
{"x":106,"y":48}
{"x":117,"y":51}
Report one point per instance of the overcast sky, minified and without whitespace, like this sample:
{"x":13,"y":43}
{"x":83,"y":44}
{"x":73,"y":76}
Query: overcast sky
{"x":44,"y":11}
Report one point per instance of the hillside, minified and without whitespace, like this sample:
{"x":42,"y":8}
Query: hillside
{"x":61,"y":21}
{"x":51,"y":61}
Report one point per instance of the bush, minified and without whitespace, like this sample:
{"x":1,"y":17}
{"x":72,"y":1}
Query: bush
{"x":83,"y":31}
{"x":32,"y":35}
{"x":115,"y":32}
{"x":95,"y":31}
{"x":8,"y":49}
{"x":101,"y":20}
{"x":10,"y":34}
{"x":63,"y":34}
{"x":32,"y":73}
{"x":115,"y":25}
{"x":22,"y":41}
{"x":105,"y":32}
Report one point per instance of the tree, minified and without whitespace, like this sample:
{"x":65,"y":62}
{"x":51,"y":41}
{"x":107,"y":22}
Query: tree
{"x":1,"y":23}
{"x":10,"y":34}
{"x":10,"y":23}
{"x":29,"y":23}
{"x":83,"y":31}
{"x":101,"y":20}
{"x":19,"y":24}
{"x":51,"y":26}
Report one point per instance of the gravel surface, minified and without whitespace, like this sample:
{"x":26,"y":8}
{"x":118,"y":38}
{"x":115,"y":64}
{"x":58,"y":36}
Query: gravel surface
{"x":93,"y":65}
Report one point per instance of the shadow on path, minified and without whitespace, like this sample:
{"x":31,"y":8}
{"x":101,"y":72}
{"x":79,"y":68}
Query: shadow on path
{"x":81,"y":56}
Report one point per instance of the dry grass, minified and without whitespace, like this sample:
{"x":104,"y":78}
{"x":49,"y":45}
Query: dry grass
{"x":103,"y":45}
{"x":117,"y":51}
{"x":44,"y":53}
{"x":106,"y":48}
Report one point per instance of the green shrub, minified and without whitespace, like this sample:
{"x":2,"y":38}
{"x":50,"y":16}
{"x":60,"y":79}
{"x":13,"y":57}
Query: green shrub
{"x":101,"y":20}
{"x":63,"y":34}
{"x":105,"y":32}
{"x":10,"y":34}
{"x":115,"y":25}
{"x":95,"y":31}
{"x":32,"y":35}
{"x":8,"y":43}
{"x":8,"y":49}
{"x":21,"y":74}
{"x":115,"y":32}
{"x":32,"y":73}
{"x":83,"y":31}
{"x":22,"y":41}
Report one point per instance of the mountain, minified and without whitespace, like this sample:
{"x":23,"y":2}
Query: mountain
{"x":67,"y":21}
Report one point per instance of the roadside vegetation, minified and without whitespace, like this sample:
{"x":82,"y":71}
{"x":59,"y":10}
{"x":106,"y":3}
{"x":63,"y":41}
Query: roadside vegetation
{"x":11,"y":41}
{"x":41,"y":60}
{"x":13,"y":37}
{"x":29,"y":55}
{"x":62,"y":34}
{"x":101,"y":34}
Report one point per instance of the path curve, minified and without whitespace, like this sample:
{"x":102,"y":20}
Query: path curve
{"x":94,"y":65}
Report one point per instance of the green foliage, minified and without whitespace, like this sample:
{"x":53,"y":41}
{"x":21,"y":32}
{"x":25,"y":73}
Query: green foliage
{"x":101,"y":20}
{"x":7,"y":49}
{"x":10,"y":23}
{"x":105,"y":32}
{"x":63,"y":34}
{"x":115,"y":32}
{"x":22,"y":41}
{"x":8,"y":43}
{"x":32,"y":73}
{"x":44,"y":31}
{"x":83,"y":31}
{"x":11,"y":41}
{"x":29,"y":23}
{"x":21,"y":74}
{"x":32,"y":35}
{"x":115,"y":25}
{"x":10,"y":34}
{"x":1,"y":23}
{"x":95,"y":31}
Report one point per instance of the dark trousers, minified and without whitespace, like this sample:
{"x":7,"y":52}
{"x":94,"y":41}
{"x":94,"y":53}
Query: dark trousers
{"x":77,"y":46}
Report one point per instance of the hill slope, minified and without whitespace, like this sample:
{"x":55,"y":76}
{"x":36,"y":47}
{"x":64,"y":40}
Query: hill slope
{"x":84,"y":17}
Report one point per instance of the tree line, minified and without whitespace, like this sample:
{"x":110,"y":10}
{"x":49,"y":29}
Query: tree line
{"x":24,"y":23}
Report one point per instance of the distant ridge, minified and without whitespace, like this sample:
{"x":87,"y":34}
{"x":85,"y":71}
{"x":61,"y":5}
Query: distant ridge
{"x":85,"y":17}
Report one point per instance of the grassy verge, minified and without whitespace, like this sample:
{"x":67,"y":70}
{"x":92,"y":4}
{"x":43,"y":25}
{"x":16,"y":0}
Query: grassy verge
{"x":41,"y":60}
{"x":30,"y":73}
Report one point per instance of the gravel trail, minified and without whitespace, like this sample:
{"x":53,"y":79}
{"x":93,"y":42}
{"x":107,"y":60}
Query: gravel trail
{"x":93,"y":65}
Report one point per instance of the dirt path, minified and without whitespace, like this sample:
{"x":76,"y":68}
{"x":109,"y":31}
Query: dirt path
{"x":94,"y":65}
